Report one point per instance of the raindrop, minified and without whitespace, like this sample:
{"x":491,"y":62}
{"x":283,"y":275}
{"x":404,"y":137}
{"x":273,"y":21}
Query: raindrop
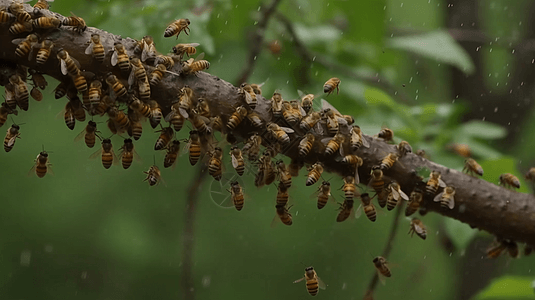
{"x":258,"y":8}
{"x":401,"y":4}
{"x":316,"y":74}
{"x":520,"y":23}
{"x":226,"y":22}
{"x":344,"y":285}
{"x":296,"y":212}
{"x":84,"y":275}
{"x":416,"y":98}
{"x":236,"y":6}
{"x":384,"y":8}
{"x":477,"y":48}
{"x":255,"y":22}
{"x":49,"y":248}
{"x":417,"y":91}
{"x":496,"y":109}
{"x":490,"y":50}
{"x":513,"y":52}
{"x":392,"y":35}
{"x":390,"y":20}
{"x":287,"y":81}
{"x":220,"y":31}
{"x":289,"y":63}
{"x":206,"y":280}
{"x":451,"y":254}
{"x":462,"y":24}
{"x":410,"y":80}
{"x":254,"y":57}
{"x":25,"y":257}
{"x":314,"y":58}
{"x":217,"y":16}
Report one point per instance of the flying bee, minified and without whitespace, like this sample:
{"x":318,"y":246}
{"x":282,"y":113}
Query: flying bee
{"x":388,"y":161}
{"x":314,"y":173}
{"x":310,"y":121}
{"x":89,"y":134}
{"x":68,"y":64}
{"x":95,"y":48}
{"x":313,"y":281}
{"x":252,"y":147}
{"x":306,"y":102}
{"x":138,"y":72}
{"x":460,"y":149}
{"x":236,"y":192}
{"x":305,"y":145}
{"x":119,"y":118}
{"x":284,"y":176}
{"x":77,"y":23}
{"x":77,"y":108}
{"x":177,"y":27}
{"x":165,"y":138}
{"x":172,"y":154}
{"x":530,"y":175}
{"x":446,"y":198}
{"x":237,"y":160}
{"x":42,"y":165}
{"x":106,"y":153}
{"x":25,"y":45}
{"x":357,"y":140}
{"x":346,"y":210}
{"x":36,"y":94}
{"x":381,"y":266}
{"x":195,"y":65}
{"x":156,"y":75}
{"x":60,"y":91}
{"x":403,"y":148}
{"x":282,"y":194}
{"x":175,"y":118}
{"x":386,"y":134}
{"x":38,"y":79}
{"x":128,"y":154}
{"x":324,"y":194}
{"x":21,"y":93}
{"x":290,"y":114}
{"x":418,"y":227}
{"x":334,"y":144}
{"x":42,"y":4}
{"x":153,"y":175}
{"x":46,"y":22}
{"x":167,"y":61}
{"x":283,"y":214}
{"x":349,"y":188}
{"x":95,"y":92}
{"x":194,"y":147}
{"x":395,"y":195}
{"x":12,"y":135}
{"x":368,"y":207}
{"x":214,"y":164}
{"x":377,"y":182}
{"x":330,"y":85}
{"x":276,"y":105}
{"x":120,"y":57}
{"x":508,"y":180}
{"x":237,"y":117}
{"x":116,"y":86}
{"x":188,"y":49}
{"x":279,"y":133}
{"x":472,"y":167}
{"x":415,"y":199}
{"x":248,"y":95}
{"x":433,"y":183}
{"x":200,"y":123}
{"x":6,"y":17}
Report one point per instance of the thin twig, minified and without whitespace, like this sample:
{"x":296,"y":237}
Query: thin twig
{"x":386,"y":251}
{"x":256,"y":43}
{"x":187,"y":281}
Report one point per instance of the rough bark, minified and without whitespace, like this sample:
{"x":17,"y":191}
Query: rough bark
{"x":484,"y":205}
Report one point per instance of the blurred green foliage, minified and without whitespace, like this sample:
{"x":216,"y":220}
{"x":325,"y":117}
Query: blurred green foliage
{"x":92,"y":233}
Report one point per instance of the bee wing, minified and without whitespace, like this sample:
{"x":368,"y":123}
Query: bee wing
{"x":325,"y":105}
{"x":235,"y":162}
{"x":358,"y":213}
{"x":321,"y":284}
{"x":169,"y":116}
{"x":364,"y":142}
{"x":183,"y":112}
{"x":318,"y":128}
{"x":201,"y":56}
{"x":438,"y":197}
{"x":287,"y":130}
{"x":11,"y":141}
{"x":18,"y":41}
{"x":194,"y":44}
{"x":357,"y":178}
{"x":299,"y":280}
{"x":302,"y":111}
{"x":301,"y":94}
{"x":382,"y":278}
{"x":274,"y":223}
{"x":96,"y":154}
{"x":114,"y":58}
{"x":326,"y":140}
{"x":89,"y":49}
{"x":441,"y":183}
{"x":115,"y":158}
{"x":63,"y":65}
{"x":132,"y":76}
{"x":403,"y":195}
{"x":451,"y":203}
{"x":49,"y":169}
{"x":341,"y":121}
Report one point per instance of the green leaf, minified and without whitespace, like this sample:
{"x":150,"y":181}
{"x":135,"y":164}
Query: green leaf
{"x":484,"y":130}
{"x":509,"y":287}
{"x":460,"y":233}
{"x":437,"y":45}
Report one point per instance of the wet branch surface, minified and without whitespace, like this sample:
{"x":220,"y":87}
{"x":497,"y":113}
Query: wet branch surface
{"x":484,"y":205}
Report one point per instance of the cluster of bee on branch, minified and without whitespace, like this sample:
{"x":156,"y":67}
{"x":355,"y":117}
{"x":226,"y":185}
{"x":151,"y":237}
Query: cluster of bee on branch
{"x":295,"y":125}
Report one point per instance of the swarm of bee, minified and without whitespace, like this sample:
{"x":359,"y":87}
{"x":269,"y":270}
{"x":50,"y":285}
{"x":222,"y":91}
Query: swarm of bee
{"x":123,"y":97}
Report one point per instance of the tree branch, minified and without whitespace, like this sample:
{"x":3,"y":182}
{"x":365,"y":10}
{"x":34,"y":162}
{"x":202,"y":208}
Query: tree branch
{"x":504,"y":213}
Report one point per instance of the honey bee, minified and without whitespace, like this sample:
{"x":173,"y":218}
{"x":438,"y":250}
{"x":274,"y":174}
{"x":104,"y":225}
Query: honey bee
{"x":20,"y":27}
{"x":36,"y":94}
{"x":18,"y":10}
{"x":386,"y":134}
{"x":282,"y":194}
{"x":313,"y":281}
{"x":324,"y":194}
{"x":153,"y":175}
{"x":368,"y":207}
{"x":102,"y":107}
{"x":418,"y":227}
{"x":349,"y":188}
{"x":42,"y":4}
{"x":185,"y":101}
{"x":257,"y":88}
{"x":461,"y":149}
{"x":294,"y":167}
{"x":266,"y":172}
{"x":388,"y":161}
{"x":106,"y":153}
{"x":508,"y":180}
{"x":377,"y":182}
{"x":80,"y":83}
{"x":144,"y":91}
{"x":172,"y":154}
{"x":188,"y":49}
{"x":446,"y":198}
{"x":530,"y":175}
{"x":12,"y":135}
{"x":496,"y":249}
{"x":237,"y":117}
{"x":44,"y":52}
{"x":333,"y":124}
{"x":314,"y":173}
{"x":96,"y":48}
{"x":415,"y":199}
{"x":195,"y":65}
{"x":140,"y":107}
{"x":283,"y":214}
{"x":70,"y":120}
{"x":248,"y":94}
{"x":6,"y":17}
{"x":77,"y":108}
{"x":395,"y":194}
{"x":138,"y":72}
{"x":217,"y":124}
{"x":5,"y":110}
{"x":200,"y":123}
{"x":167,"y":61}
{"x":42,"y":165}
{"x":175,"y":118}
{"x":284,"y":176}
{"x":25,"y":46}
{"x":357,"y":140}
{"x":279,"y":133}
{"x":77,"y":23}
{"x":89,"y":134}
{"x":214,"y":164}
{"x":165,"y":138}
{"x":334,"y":144}
{"x":237,"y":160}
{"x":252,"y":147}
{"x":194,"y":147}
{"x":95,"y":92}
{"x":68,"y":64}
{"x":156,"y":75}
{"x":305,"y":145}
{"x":177,"y":27}
{"x":346,"y":210}
{"x":46,"y":22}
{"x":116,"y":86}
{"x":21,"y":93}
{"x":472,"y":167}
{"x":38,"y":79}
{"x":381,"y":266}
{"x":403,"y":148}
{"x":291,"y":115}
{"x":128,"y":154}
{"x":307,"y":102}
{"x":310,"y":121}
{"x":276,"y":105}
{"x":433,"y":183}
{"x":148,"y":49}
{"x":119,"y":118}
{"x":203,"y":109}
{"x":330,"y":85}
{"x":60,"y":91}
{"x":156,"y":114}
{"x":120,"y":57}
{"x":236,"y":192}
{"x":255,"y":120}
